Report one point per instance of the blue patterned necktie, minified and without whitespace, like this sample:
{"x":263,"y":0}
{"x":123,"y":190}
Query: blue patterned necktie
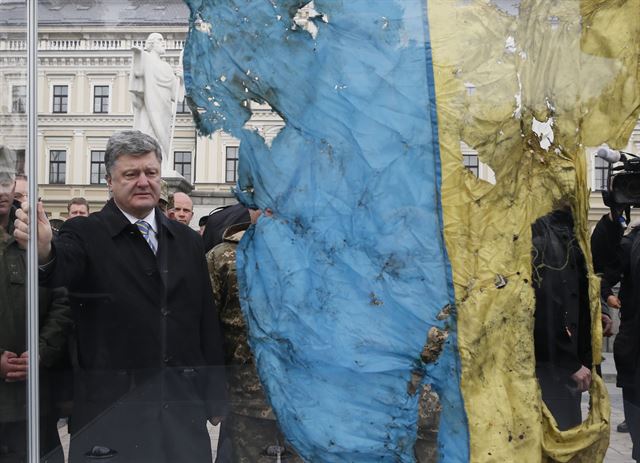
{"x":145,"y":229}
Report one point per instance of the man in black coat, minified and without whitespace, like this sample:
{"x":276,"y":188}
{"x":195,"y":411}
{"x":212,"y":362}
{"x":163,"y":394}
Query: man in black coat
{"x":562,"y":333}
{"x":605,"y":240}
{"x":148,"y":372}
{"x":626,"y":347}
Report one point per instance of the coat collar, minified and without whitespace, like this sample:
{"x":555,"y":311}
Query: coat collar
{"x":116,"y":222}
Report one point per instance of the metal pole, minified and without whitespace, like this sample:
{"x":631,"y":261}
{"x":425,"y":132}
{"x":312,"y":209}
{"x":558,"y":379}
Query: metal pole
{"x":33,"y":381}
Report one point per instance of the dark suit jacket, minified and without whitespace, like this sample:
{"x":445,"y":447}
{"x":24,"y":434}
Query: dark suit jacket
{"x":149,"y":357}
{"x":626,"y":347}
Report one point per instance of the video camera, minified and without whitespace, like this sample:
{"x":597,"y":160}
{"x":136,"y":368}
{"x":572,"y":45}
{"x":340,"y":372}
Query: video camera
{"x":623,"y":180}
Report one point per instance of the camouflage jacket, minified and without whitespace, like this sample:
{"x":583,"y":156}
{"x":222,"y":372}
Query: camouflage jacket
{"x":245,"y":390}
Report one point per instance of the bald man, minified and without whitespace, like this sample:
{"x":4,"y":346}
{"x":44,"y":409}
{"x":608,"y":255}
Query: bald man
{"x":182,"y":208}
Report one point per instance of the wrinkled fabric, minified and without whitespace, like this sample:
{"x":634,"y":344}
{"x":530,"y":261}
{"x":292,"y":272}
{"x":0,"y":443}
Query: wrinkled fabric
{"x":342,"y":285}
{"x":506,"y":65}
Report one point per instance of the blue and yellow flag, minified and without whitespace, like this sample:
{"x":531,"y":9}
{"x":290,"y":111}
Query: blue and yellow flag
{"x":386,"y":265}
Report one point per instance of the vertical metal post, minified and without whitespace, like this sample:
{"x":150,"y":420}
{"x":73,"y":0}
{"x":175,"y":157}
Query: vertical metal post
{"x":33,"y":381}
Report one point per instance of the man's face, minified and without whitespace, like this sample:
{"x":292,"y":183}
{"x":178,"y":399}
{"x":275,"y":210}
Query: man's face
{"x":135,"y":183}
{"x":7,"y":189}
{"x":78,"y":209}
{"x":182,"y":208}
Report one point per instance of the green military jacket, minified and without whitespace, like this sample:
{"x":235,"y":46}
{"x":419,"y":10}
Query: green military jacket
{"x":55,"y":325}
{"x":245,"y":390}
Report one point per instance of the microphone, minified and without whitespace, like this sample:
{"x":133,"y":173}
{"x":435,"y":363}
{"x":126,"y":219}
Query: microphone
{"x":611,"y":156}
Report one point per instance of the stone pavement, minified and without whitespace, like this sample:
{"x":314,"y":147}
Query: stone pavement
{"x":620,"y":444}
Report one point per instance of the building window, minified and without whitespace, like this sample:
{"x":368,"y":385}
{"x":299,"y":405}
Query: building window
{"x":20,"y":161}
{"x":471,"y":163}
{"x":182,"y":164}
{"x":183,"y":107}
{"x":101,"y":99}
{"x":60,"y":98}
{"x":231,"y":174}
{"x":57,"y":166}
{"x":19,"y":99}
{"x":601,"y":169}
{"x":98,"y":168}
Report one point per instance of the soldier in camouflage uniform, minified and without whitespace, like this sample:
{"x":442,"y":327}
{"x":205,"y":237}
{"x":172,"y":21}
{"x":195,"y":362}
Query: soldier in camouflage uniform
{"x":250,"y":433}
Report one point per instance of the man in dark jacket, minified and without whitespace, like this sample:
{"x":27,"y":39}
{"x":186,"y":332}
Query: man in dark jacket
{"x":55,"y":324}
{"x":562,"y":333}
{"x":605,"y":240}
{"x":148,"y":372}
{"x":626,"y":347}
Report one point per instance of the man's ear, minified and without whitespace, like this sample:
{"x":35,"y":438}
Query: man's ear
{"x":108,"y":179}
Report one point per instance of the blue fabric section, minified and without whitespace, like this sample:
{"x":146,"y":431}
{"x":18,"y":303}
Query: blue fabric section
{"x":341,"y":286}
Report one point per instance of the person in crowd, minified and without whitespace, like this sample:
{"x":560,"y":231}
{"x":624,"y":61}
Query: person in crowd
{"x":148,"y":346}
{"x":562,"y":333}
{"x":605,"y":241}
{"x":219,"y":220}
{"x":626,"y":347}
{"x":182,"y":209}
{"x":250,"y":433}
{"x":78,"y":207}
{"x":55,"y":323}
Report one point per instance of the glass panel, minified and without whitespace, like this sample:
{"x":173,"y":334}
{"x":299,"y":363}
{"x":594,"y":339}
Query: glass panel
{"x":131,"y":357}
{"x":101,"y":99}
{"x":232,"y":164}
{"x":471,"y":163}
{"x":183,"y":107}
{"x":14,"y":351}
{"x":159,"y":371}
{"x":98,"y":170}
{"x":601,"y":168}
{"x":60,"y":98}
{"x":19,"y":98}
{"x":57,"y":166}
{"x":182,"y":164}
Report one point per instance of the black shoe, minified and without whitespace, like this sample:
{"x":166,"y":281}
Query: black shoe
{"x":623,"y":427}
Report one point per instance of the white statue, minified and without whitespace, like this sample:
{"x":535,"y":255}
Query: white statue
{"x":155,"y":89}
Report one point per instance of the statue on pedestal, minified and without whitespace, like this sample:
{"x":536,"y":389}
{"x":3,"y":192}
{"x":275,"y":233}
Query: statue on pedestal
{"x":155,"y":88}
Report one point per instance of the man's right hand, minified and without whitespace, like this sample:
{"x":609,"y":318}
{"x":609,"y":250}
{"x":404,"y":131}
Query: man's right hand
{"x":12,"y":367}
{"x":582,"y":377}
{"x":45,"y":234}
{"x":614,"y":302}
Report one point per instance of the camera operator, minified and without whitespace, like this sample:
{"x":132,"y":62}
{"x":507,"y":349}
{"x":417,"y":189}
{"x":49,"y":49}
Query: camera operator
{"x":626,"y":347}
{"x":623,"y":265}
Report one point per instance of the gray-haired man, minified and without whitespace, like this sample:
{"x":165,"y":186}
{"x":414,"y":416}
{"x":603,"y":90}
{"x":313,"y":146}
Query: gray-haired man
{"x":148,"y":342}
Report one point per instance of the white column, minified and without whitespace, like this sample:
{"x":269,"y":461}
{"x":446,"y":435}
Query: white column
{"x":81,"y":90}
{"x":77,"y":160}
{"x":43,"y":165}
{"x":121,"y":89}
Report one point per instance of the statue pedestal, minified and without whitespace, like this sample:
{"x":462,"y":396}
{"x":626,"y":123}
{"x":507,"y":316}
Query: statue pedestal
{"x":176,"y":182}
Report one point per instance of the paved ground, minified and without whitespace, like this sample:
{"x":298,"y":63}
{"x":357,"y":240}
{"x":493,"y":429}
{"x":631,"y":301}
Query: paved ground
{"x":619,"y":447}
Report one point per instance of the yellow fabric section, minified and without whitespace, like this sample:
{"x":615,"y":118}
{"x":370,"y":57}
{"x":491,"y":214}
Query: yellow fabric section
{"x":497,"y":72}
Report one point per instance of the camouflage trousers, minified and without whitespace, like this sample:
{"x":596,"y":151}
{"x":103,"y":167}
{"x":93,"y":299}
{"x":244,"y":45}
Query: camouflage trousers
{"x":245,"y":439}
